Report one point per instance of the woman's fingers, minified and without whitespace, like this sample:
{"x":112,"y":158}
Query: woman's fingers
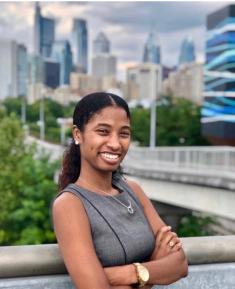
{"x":162,"y":231}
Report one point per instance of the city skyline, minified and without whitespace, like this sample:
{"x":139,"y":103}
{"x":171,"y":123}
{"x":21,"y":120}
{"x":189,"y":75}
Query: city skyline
{"x":126,"y":24}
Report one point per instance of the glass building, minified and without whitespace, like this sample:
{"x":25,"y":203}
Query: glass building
{"x":61,"y":53}
{"x":22,"y":70}
{"x":101,"y":44}
{"x":44,"y":33}
{"x":80,"y":45}
{"x":187,"y":51}
{"x":218,"y":112}
{"x":51,"y":73}
{"x":152,"y":52}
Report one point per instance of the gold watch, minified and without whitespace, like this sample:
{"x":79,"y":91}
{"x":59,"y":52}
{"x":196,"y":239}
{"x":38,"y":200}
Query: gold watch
{"x":142,"y":274}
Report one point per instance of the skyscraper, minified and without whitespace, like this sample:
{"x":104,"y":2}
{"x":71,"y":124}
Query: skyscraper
{"x":104,"y":65}
{"x":187,"y":51}
{"x":80,"y":45}
{"x":101,"y":44}
{"x":61,"y":52}
{"x":44,"y":33}
{"x":218,"y":112}
{"x":13,"y":69}
{"x":51,"y":73}
{"x":152,"y":51}
{"x":22,"y":70}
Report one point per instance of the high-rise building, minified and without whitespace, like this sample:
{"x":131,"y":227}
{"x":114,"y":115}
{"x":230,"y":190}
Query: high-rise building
{"x":186,"y":82}
{"x":144,"y":82}
{"x":44,"y":33}
{"x":13,"y":69}
{"x":101,"y":44}
{"x":187,"y":51}
{"x":35,"y":69}
{"x":218,"y":112}
{"x":22,"y":70}
{"x":152,"y":51}
{"x":104,"y":65}
{"x":80,"y":45}
{"x":51,"y":73}
{"x":61,"y":52}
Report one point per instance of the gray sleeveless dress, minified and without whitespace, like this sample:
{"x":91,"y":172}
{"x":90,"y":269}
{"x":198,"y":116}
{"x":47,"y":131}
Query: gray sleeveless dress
{"x":119,"y":237}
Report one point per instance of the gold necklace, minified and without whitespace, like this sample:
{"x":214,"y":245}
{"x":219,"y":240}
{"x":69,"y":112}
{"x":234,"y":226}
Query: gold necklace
{"x":129,"y":208}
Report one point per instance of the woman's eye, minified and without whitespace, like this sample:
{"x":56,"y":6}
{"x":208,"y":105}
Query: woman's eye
{"x":103,"y":131}
{"x":125,"y":134}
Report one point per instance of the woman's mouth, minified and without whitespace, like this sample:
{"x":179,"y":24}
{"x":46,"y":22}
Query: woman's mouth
{"x":110,"y":157}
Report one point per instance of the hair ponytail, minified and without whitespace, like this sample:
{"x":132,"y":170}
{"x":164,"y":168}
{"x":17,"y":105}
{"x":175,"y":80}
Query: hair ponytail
{"x":71,"y":166}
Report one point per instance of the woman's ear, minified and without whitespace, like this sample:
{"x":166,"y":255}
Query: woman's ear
{"x":76,"y":135}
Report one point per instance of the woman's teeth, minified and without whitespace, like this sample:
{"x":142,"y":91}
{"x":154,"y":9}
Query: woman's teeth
{"x":110,"y":156}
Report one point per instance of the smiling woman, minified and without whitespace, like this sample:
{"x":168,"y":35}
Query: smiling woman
{"x":108,"y":232}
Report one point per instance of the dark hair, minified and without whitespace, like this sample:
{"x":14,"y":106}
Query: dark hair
{"x":84,"y":110}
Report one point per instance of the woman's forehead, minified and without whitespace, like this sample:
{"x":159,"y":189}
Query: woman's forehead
{"x":110,"y":114}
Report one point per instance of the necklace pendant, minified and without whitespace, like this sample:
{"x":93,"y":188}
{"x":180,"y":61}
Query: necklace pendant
{"x":130,"y":209}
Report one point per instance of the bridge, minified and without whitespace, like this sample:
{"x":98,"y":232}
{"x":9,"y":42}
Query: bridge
{"x":195,"y":178}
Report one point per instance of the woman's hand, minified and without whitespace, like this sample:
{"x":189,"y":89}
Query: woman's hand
{"x":166,"y":243}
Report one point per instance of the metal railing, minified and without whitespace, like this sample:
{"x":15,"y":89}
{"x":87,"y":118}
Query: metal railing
{"x":213,"y":158}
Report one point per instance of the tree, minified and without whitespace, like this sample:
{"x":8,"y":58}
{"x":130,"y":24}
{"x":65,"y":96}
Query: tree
{"x":140,"y":120}
{"x":26,"y":188}
{"x":178,"y":123}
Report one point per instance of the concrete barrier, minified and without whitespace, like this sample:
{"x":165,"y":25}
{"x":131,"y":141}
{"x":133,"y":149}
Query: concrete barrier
{"x":211,"y":259}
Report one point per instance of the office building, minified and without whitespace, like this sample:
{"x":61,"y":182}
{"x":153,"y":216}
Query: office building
{"x":51,"y":73}
{"x":101,"y":44}
{"x":218,"y":112}
{"x":83,"y":83}
{"x":44,"y":33}
{"x":80,"y":45}
{"x":104,"y":65}
{"x":35,"y":69}
{"x":22,"y":70}
{"x":13,"y":69}
{"x":61,"y":53}
{"x":187,"y":51}
{"x":185,"y":82}
{"x":152,"y":52}
{"x":144,"y":82}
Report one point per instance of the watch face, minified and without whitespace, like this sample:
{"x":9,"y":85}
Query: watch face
{"x":144,"y":274}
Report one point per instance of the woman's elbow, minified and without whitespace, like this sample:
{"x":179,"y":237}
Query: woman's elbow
{"x":184,"y":272}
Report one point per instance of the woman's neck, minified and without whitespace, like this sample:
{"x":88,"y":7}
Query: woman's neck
{"x":96,"y":180}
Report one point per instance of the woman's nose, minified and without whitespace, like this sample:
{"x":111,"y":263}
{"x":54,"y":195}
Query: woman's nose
{"x":114,"y":142}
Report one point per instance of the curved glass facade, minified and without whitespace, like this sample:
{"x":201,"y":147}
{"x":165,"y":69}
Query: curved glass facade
{"x":218,"y":111}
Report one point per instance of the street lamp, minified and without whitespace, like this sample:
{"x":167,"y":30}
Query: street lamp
{"x":63,"y":122}
{"x":41,"y":122}
{"x":153,"y":124}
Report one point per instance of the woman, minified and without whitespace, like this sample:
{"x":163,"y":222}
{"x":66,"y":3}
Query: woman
{"x":108,"y":232}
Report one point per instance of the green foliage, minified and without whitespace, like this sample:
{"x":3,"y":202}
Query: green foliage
{"x":140,"y":119}
{"x":52,"y":111}
{"x":26,"y":189}
{"x":13,"y":105}
{"x":178,"y":123}
{"x":193,"y":226}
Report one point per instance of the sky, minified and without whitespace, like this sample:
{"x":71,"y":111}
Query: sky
{"x":126,"y":24}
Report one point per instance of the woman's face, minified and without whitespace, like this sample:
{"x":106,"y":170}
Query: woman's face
{"x":105,"y":139}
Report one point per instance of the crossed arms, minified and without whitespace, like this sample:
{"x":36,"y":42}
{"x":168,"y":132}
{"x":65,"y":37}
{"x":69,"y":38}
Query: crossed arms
{"x":166,"y":265}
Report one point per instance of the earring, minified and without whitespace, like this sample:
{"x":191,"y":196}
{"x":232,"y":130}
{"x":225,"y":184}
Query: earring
{"x":76,"y":142}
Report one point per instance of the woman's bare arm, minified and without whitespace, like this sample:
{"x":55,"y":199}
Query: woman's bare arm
{"x":167,"y":268}
{"x":73,"y":234}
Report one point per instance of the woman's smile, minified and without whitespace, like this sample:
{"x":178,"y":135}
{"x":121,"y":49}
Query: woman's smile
{"x":111,"y":158}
